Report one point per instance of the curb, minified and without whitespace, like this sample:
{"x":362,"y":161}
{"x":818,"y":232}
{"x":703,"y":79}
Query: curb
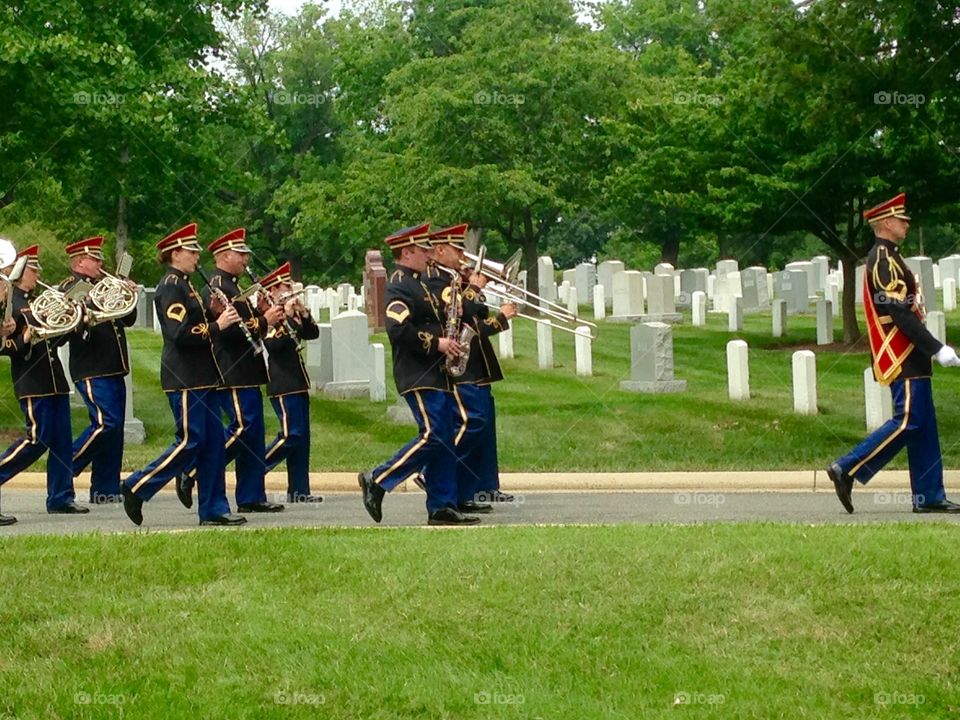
{"x":721,"y":481}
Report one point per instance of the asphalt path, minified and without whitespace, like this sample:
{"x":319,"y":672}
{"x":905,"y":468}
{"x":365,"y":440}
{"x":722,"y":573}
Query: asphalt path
{"x":164,"y":512}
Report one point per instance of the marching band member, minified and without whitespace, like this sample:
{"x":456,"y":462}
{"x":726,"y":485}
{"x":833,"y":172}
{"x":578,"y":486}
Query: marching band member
{"x":289,"y":385}
{"x":419,"y":347}
{"x":244,"y":371}
{"x":98,"y":365}
{"x":475,"y":435}
{"x":41,"y":387}
{"x":190,"y":377}
{"x":902,"y":350}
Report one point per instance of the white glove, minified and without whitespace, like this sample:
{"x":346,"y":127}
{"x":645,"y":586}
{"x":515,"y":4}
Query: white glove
{"x":947,"y":357}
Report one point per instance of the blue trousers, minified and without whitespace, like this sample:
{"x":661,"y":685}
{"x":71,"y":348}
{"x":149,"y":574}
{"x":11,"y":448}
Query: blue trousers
{"x":914,"y":426}
{"x":198,"y":443}
{"x":293,"y":441}
{"x":48,"y":428}
{"x":431,"y":450}
{"x":101,"y":442}
{"x":475,"y":439}
{"x":244,"y":441}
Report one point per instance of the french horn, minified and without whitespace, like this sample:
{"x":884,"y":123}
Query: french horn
{"x":111,"y":297}
{"x":57,"y":313}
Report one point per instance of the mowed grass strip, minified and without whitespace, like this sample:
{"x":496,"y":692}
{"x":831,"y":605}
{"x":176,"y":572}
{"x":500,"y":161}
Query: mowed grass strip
{"x":733,"y":620}
{"x":553,"y":421}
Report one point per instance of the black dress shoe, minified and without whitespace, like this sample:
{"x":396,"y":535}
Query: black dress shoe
{"x":227,"y":519}
{"x":298,"y":498}
{"x":105,"y":499}
{"x":449,"y":516}
{"x":71,"y":508}
{"x":184,"y":488}
{"x":132,"y":505}
{"x":372,"y":495}
{"x":474,"y":507}
{"x":843,"y":484}
{"x":7,"y":520}
{"x":260,"y":507}
{"x":944,"y":506}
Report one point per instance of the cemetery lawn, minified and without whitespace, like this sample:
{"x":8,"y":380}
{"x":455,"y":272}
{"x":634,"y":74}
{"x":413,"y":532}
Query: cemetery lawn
{"x":741,"y":620}
{"x":552,"y":420}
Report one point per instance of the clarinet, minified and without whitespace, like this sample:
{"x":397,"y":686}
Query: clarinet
{"x":286,"y":321}
{"x":225,"y":301}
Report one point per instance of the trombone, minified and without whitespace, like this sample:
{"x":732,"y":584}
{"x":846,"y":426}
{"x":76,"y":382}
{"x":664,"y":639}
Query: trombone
{"x":505,"y":275}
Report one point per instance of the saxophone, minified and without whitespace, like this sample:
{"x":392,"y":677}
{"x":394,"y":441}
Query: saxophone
{"x":462,"y":333}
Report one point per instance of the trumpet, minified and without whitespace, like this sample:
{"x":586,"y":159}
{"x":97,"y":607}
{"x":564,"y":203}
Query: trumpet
{"x":112,"y":297}
{"x":505,"y":275}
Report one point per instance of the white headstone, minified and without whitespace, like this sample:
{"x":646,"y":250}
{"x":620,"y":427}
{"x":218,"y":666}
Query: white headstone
{"x":950,"y":268}
{"x":753,"y":287}
{"x":133,"y":430}
{"x":663,"y":268}
{"x":547,"y":288}
{"x":651,"y":360}
{"x":378,"y":378}
{"x":878,"y":401}
{"x":333,"y":302}
{"x":690,"y":282}
{"x":833,"y":295}
{"x":937,"y":325}
{"x":858,"y":290}
{"x":351,"y":356}
{"x":779,"y":317}
{"x":570,"y":277}
{"x":573,"y":300}
{"x":923,"y":268}
{"x":344,"y":290}
{"x":660,"y":304}
{"x":699,"y":308}
{"x":505,"y":344}
{"x":821,"y":266}
{"x":721,"y":291}
{"x":605,"y":272}
{"x":583,"y":349}
{"x":810,"y":270}
{"x":949,"y":294}
{"x":735,"y":315}
{"x":562,"y":292}
{"x":586,"y":279}
{"x":544,"y":345}
{"x":792,"y":286}
{"x":627,"y":295}
{"x":599,"y":303}
{"x":805,"y":382}
{"x":824,"y":322}
{"x":738,"y":370}
{"x":312,"y":299}
{"x":936,"y":276}
{"x":319,"y":357}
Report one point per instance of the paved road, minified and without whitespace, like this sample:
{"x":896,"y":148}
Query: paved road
{"x":164,"y":512}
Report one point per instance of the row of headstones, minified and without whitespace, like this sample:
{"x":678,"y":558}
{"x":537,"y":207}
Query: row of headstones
{"x":641,"y":295}
{"x":878,"y":403}
{"x":652,"y":371}
{"x":336,"y":300}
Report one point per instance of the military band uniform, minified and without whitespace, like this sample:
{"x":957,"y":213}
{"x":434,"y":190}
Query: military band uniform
{"x":190,"y":377}
{"x":244,"y":371}
{"x":289,"y":393}
{"x":478,"y":476}
{"x":41,"y":388}
{"x":99,"y":362}
{"x":901,"y":351}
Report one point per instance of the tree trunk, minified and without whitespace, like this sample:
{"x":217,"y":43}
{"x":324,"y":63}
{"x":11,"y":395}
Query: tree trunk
{"x":122,"y":229}
{"x":851,"y":328}
{"x":530,"y":256}
{"x":670,"y":248}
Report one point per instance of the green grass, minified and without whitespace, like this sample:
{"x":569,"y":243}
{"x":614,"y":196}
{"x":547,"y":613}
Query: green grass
{"x":554,"y":421}
{"x":749,"y":621}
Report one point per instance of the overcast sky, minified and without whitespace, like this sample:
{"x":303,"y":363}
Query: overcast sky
{"x":290,"y":7}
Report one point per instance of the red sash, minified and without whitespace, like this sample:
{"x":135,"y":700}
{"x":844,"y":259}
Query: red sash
{"x":888,"y":346}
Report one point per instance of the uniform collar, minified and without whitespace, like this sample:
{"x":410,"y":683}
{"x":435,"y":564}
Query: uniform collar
{"x":889,"y":244}
{"x":407,"y":271}
{"x":180,"y":274}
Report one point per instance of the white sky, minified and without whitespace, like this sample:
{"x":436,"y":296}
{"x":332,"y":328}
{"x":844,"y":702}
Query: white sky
{"x":290,"y":7}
